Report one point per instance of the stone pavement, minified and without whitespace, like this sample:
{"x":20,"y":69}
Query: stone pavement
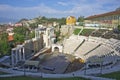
{"x":43,"y":75}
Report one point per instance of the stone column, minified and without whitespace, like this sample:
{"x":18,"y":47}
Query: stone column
{"x":20,"y":57}
{"x":16,"y":56}
{"x":23,"y":56}
{"x":38,"y":34}
{"x":35,"y":33}
{"x":13,"y":57}
{"x":47,"y":38}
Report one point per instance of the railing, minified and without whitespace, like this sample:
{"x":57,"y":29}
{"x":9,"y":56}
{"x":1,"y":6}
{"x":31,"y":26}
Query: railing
{"x":79,"y":45}
{"x":92,"y":49}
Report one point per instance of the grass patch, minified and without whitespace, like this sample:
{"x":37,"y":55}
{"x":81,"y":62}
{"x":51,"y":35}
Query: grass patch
{"x":1,"y":73}
{"x":76,"y":31}
{"x":114,"y":75}
{"x":32,"y":78}
{"x":87,"y":32}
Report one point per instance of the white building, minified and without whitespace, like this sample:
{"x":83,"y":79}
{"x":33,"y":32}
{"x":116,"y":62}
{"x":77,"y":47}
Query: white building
{"x":47,"y":34}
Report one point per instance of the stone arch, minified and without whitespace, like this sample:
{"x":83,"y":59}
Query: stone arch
{"x":56,"y":49}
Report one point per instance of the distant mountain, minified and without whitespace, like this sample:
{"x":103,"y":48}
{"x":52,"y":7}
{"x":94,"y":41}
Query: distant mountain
{"x":118,"y":9}
{"x":23,"y":20}
{"x":4,"y":20}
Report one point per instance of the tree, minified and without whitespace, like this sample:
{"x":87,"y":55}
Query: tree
{"x":80,"y":19}
{"x":32,"y":34}
{"x":3,"y":36}
{"x":20,"y":30}
{"x":20,"y":34}
{"x":57,"y":33}
{"x":43,"y":18}
{"x":33,"y":25}
{"x":4,"y":45}
{"x":18,"y":38}
{"x":62,"y":21}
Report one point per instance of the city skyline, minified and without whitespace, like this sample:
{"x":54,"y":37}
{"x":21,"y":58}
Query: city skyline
{"x":17,"y":9}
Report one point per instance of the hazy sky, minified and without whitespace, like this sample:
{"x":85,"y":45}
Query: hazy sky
{"x":17,"y":9}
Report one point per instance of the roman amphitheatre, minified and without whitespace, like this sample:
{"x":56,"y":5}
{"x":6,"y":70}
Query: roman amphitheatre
{"x":77,"y":54}
{"x":84,"y":52}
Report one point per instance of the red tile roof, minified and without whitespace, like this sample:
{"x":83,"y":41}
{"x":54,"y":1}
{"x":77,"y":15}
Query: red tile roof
{"x":104,"y":14}
{"x":10,"y":38}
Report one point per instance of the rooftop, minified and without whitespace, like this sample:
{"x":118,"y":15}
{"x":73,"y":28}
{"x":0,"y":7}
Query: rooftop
{"x":104,"y":14}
